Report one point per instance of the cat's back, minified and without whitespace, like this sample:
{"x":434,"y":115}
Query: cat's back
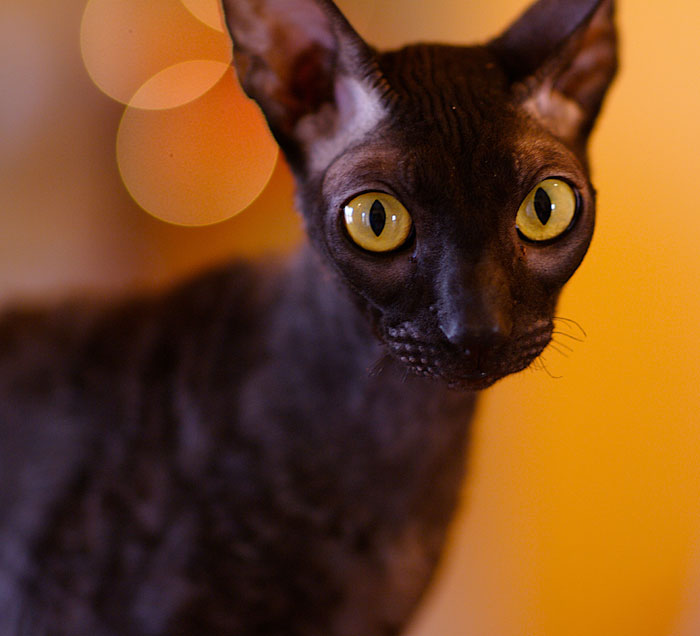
{"x":97,"y":396}
{"x":70,"y":361}
{"x":53,"y":359}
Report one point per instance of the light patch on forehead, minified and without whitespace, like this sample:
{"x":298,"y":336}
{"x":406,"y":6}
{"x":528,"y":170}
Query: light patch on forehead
{"x":561,"y":115}
{"x":328,"y":133}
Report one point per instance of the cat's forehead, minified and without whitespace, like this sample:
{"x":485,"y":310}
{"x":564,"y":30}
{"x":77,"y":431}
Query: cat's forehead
{"x":451,"y":133}
{"x":448,"y":117}
{"x":453,"y":105}
{"x":454,"y":102}
{"x":453,"y":85}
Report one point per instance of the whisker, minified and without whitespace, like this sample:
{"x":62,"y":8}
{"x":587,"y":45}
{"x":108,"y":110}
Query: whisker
{"x":559,"y":351}
{"x":563,"y":345}
{"x":377,"y":368}
{"x":548,"y":372}
{"x":574,"y":323}
{"x":536,"y":365}
{"x":567,"y":335}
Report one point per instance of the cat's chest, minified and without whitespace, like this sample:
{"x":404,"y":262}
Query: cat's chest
{"x":348,"y":502}
{"x":340,"y":504}
{"x":325,"y":478}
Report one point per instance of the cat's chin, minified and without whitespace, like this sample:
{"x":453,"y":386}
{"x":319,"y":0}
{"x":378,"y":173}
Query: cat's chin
{"x":466,"y":381}
{"x":475,"y":383}
{"x":444,"y":363}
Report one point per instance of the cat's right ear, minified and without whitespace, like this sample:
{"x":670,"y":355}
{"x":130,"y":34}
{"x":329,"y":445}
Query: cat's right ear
{"x":315,"y":79}
{"x":561,"y":56}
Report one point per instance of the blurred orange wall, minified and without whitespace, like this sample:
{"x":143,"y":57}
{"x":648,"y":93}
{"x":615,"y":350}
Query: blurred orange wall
{"x":581,"y":513}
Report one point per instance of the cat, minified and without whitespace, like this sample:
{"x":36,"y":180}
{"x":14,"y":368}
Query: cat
{"x":276,"y":448}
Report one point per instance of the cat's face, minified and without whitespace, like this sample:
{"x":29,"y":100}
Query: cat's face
{"x":465,"y":296}
{"x":447,"y":186}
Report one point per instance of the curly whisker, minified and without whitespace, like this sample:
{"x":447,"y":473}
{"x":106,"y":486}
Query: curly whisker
{"x":563,"y":345}
{"x":535,"y":365}
{"x":553,"y":346}
{"x":378,"y":367}
{"x":569,"y":321}
{"x":567,"y":335}
{"x":543,"y":361}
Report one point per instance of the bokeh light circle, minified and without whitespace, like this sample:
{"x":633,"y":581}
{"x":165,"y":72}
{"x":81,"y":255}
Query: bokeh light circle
{"x":200,"y":163}
{"x":208,"y":11}
{"x":124,"y":43}
{"x":178,"y":84}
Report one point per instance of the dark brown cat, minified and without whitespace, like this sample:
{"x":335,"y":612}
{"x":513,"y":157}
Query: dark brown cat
{"x":277,"y":450}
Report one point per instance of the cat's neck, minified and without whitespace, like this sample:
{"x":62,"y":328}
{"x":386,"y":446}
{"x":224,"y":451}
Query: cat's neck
{"x":317,"y":313}
{"x":281,"y":424}
{"x":330,"y":381}
{"x":353,"y":446}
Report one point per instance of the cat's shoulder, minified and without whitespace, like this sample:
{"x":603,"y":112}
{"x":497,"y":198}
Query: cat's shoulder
{"x":32,"y":332}
{"x":84,"y":354}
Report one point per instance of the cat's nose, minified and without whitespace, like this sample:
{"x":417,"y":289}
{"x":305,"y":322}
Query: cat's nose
{"x":474,"y":308}
{"x":474,"y":328}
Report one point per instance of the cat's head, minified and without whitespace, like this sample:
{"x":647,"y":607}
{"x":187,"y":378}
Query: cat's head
{"x":447,"y":186}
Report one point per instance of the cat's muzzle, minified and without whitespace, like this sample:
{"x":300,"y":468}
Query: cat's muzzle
{"x":466,"y":368}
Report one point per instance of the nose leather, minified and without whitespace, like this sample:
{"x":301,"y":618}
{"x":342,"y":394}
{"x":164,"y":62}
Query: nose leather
{"x":468,"y":323}
{"x":474,"y":305}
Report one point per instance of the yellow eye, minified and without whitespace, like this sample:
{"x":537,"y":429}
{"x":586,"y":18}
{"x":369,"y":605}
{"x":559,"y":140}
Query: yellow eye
{"x":547,"y":212}
{"x":377,"y":222}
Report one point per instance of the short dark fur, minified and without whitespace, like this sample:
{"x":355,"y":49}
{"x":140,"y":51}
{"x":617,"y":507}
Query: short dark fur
{"x":277,"y":450}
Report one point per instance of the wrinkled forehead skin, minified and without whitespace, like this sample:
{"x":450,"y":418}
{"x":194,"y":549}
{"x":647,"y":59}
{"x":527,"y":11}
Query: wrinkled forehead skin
{"x":455,"y":135}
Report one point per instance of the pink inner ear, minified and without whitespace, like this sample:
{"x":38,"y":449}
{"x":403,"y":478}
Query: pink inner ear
{"x":285,"y":53}
{"x":307,"y":68}
{"x":285,"y":26}
{"x":311,"y":81}
{"x":305,"y":16}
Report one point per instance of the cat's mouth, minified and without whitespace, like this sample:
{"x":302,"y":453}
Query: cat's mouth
{"x":473,"y":370}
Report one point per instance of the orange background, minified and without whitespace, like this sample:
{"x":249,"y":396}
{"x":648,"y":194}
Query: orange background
{"x":582,"y":513}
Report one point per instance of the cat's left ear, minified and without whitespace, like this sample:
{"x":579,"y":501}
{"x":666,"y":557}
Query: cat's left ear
{"x":315,"y":79}
{"x":561,"y":56}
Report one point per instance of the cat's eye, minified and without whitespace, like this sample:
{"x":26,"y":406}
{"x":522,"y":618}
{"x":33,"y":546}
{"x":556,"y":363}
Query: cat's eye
{"x":548,"y":211}
{"x":377,"y":222}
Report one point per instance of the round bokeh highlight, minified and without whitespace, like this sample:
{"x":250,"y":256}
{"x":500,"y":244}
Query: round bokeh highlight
{"x":199,"y":163}
{"x":208,"y":11}
{"x":124,"y":43}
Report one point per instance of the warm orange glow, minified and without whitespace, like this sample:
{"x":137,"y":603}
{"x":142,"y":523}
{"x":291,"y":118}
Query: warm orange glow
{"x":581,"y":511}
{"x":199,"y":163}
{"x":126,"y":42}
{"x":178,"y":85}
{"x":208,"y":11}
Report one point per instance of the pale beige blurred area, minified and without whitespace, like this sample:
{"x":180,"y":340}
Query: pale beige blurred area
{"x":581,"y":510}
{"x":68,"y":223}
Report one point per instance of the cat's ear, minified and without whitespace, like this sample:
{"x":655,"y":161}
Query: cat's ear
{"x":561,"y":55}
{"x":315,"y":79}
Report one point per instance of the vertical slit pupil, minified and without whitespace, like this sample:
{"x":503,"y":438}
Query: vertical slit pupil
{"x":543,"y":206}
{"x":377,"y":218}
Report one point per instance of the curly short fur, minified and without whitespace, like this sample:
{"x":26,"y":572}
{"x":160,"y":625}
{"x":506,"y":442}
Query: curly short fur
{"x":277,"y":449}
